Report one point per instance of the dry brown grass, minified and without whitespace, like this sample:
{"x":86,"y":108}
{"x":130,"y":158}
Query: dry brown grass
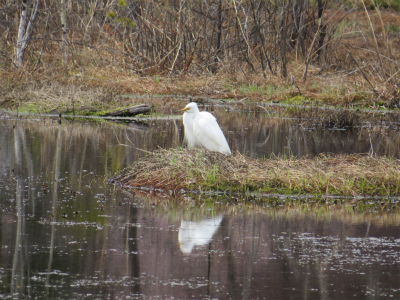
{"x":47,"y":97}
{"x":176,"y":169}
{"x":97,"y":89}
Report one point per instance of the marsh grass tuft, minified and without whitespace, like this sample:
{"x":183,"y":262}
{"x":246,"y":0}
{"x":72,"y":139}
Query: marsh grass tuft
{"x":201,"y":170}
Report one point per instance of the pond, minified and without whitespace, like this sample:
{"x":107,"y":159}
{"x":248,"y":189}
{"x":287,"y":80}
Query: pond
{"x":66,"y":233}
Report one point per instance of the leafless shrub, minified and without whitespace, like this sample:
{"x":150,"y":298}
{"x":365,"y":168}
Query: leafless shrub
{"x":177,"y":36}
{"x":299,"y":38}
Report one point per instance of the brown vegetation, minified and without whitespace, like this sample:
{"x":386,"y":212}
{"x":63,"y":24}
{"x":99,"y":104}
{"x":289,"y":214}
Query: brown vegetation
{"x":323,"y":51}
{"x":176,"y":169}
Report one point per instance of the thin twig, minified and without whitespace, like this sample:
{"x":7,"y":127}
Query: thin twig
{"x":365,"y":77}
{"x":264,"y":109}
{"x":373,"y":33}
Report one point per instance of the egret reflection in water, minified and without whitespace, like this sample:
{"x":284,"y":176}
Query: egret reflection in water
{"x":199,"y":233}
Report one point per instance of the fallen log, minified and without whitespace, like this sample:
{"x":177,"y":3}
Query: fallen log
{"x":130,"y":111}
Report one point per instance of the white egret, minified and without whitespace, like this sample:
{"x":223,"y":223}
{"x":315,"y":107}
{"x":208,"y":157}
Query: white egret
{"x":202,"y":129}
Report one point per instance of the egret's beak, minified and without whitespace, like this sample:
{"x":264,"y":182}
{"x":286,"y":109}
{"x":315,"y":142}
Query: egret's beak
{"x":184,"y":109}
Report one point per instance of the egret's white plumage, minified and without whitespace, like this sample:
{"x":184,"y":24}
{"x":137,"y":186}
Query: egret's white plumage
{"x":202,"y":129}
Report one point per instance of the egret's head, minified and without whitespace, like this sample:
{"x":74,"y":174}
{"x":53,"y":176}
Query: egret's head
{"x":190,"y":108}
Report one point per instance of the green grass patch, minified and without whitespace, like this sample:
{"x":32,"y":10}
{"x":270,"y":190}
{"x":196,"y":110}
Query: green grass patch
{"x":254,"y":88}
{"x":393,"y":28}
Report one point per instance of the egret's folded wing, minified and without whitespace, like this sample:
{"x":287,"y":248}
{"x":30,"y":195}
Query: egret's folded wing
{"x":208,"y":133}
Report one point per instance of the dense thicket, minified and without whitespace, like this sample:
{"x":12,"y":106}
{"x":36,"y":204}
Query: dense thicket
{"x":170,"y":36}
{"x":177,"y":35}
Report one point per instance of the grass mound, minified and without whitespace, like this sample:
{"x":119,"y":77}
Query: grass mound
{"x":198,"y":169}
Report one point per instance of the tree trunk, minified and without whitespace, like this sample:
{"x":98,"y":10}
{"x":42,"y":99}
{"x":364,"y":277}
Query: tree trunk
{"x":64,"y":49}
{"x":283,"y":28}
{"x":219,"y":38}
{"x":24,"y":30}
{"x":321,"y":29}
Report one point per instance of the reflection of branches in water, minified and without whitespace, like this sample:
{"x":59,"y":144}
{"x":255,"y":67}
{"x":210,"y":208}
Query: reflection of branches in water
{"x":384,"y":141}
{"x":308,"y":251}
{"x":57,"y":168}
{"x":288,"y":248}
{"x":253,"y":134}
{"x":371,"y":150}
{"x":310,"y":133}
{"x":175,"y":143}
{"x":31,"y":173}
{"x":18,"y":267}
{"x":90,"y":141}
{"x":262,"y":144}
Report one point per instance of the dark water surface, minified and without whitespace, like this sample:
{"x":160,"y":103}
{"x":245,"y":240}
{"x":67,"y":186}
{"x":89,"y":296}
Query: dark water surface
{"x":65,"y":233}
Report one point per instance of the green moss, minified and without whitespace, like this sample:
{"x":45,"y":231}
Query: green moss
{"x":122,"y":3}
{"x":126,"y":21}
{"x":112,"y":15}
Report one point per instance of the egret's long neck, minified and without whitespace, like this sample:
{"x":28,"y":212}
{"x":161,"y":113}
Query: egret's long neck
{"x":188,"y":119}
